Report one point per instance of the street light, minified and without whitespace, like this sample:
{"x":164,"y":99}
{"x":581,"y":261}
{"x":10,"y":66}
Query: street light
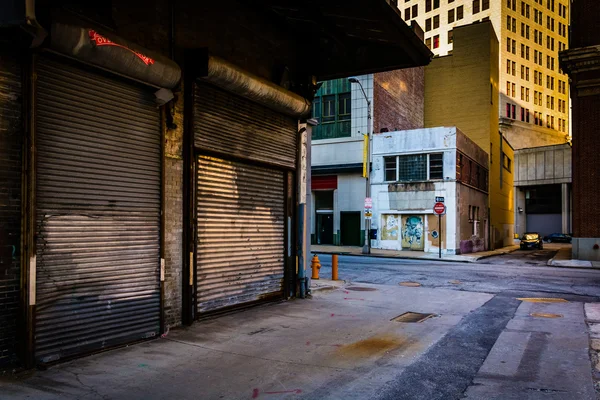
{"x":367,"y":246}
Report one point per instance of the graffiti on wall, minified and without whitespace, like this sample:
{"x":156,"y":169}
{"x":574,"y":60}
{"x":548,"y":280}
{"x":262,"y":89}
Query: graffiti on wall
{"x":389,"y":230}
{"x":412,"y":232}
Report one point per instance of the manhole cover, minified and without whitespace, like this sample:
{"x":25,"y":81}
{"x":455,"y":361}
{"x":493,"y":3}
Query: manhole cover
{"x":545,"y":315}
{"x":542,"y":300}
{"x":361,"y":289}
{"x":410,"y":284}
{"x":412,"y":317}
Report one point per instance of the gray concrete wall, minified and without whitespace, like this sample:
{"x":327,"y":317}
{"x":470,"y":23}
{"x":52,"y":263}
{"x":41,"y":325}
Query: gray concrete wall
{"x":543,"y":165}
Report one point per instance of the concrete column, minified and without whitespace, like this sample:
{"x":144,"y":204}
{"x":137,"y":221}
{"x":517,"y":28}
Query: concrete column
{"x":565,"y":207}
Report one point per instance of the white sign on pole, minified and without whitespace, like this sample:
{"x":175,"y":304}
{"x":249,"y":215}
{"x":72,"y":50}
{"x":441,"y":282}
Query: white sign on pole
{"x":368,"y":202}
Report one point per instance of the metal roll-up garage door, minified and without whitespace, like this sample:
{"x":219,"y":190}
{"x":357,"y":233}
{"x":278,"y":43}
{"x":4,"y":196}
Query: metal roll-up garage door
{"x":240,"y":256}
{"x":98,"y":211}
{"x":11,"y":142}
{"x":228,"y":124}
{"x":240,"y":199}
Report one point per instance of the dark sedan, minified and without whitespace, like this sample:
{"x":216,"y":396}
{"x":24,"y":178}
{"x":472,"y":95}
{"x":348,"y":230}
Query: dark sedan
{"x":558,"y":238}
{"x":531,"y":240}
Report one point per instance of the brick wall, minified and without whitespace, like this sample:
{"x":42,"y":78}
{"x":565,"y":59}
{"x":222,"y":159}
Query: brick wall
{"x":173,"y":245}
{"x":586,"y":167}
{"x":11,"y":135}
{"x":398,"y":99}
{"x":585,"y":15}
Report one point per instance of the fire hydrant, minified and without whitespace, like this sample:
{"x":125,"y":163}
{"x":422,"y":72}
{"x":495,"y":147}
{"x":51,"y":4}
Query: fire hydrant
{"x":315,"y":264}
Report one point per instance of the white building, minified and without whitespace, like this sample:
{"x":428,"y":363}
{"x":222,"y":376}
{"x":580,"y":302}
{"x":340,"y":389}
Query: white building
{"x":413,"y":167}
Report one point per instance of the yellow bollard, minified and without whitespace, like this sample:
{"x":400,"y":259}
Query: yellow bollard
{"x":334,"y":267}
{"x":316,"y":266}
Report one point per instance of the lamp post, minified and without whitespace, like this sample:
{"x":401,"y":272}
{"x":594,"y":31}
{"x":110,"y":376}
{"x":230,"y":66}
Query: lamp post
{"x":367,"y":246}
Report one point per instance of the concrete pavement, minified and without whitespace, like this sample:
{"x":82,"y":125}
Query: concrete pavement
{"x":408,"y":254}
{"x":344,"y":344}
{"x":563,"y":258}
{"x":340,"y":344}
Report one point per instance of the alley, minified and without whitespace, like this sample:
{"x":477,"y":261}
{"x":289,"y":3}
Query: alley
{"x":481,"y":341}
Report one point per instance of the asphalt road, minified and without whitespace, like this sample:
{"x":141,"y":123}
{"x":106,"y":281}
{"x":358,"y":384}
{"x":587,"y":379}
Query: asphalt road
{"x":521,"y":271}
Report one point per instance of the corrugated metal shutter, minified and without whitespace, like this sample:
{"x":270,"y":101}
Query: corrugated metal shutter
{"x":228,"y":124}
{"x":98,"y":211}
{"x":240,"y":250}
{"x":11,"y":144}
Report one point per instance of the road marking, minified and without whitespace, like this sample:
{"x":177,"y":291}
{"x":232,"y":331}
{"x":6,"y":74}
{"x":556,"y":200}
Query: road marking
{"x":545,"y":315}
{"x":542,"y":300}
{"x":410,"y":284}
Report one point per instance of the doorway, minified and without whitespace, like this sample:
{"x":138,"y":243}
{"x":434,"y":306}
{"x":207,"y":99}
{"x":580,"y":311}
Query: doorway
{"x":350,"y":228}
{"x":324,"y":228}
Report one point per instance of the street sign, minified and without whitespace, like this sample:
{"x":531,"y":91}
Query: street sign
{"x":368,"y":213}
{"x":439,"y":199}
{"x":439,"y":208}
{"x":368,"y":202}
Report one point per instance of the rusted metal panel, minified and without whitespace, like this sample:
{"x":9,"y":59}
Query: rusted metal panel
{"x":241,"y":229}
{"x":228,"y":124}
{"x":98,"y":211}
{"x":11,"y":144}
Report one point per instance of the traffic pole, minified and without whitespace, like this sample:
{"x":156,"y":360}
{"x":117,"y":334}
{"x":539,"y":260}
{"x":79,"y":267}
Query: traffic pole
{"x":440,"y":241}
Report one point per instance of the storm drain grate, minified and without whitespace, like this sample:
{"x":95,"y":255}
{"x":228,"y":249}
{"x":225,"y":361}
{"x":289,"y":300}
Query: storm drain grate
{"x":361,"y":289}
{"x":412,"y":317}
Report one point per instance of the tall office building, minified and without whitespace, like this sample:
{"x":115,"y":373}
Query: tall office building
{"x":534,"y":92}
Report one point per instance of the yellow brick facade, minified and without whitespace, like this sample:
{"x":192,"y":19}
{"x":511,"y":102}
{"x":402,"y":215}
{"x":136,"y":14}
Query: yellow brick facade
{"x":462,"y":90}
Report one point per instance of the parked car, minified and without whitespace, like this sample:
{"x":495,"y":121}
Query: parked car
{"x":531,"y":240}
{"x":558,"y":238}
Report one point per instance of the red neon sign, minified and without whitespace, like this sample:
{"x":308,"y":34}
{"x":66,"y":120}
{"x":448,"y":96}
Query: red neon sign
{"x":100,"y":40}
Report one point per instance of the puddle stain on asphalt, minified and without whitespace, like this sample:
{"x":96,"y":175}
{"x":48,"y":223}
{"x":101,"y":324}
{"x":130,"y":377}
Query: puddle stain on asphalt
{"x":377,"y":346}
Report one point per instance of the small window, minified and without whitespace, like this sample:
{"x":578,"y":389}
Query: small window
{"x":436,"y":41}
{"x":506,"y":162}
{"x":450,"y":36}
{"x":390,"y":168}
{"x":476,"y":6}
{"x":427,"y":5}
{"x":436,"y":22}
{"x":450,"y":16}
{"x":427,"y":24}
{"x":344,"y":106}
{"x":436,"y":166}
{"x":415,"y":11}
{"x":407,"y":14}
{"x":459,"y":12}
{"x":485,"y":4}
{"x":328,"y":108}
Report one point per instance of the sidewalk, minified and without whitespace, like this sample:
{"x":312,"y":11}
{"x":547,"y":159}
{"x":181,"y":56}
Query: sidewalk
{"x":357,"y":251}
{"x":563,"y":259}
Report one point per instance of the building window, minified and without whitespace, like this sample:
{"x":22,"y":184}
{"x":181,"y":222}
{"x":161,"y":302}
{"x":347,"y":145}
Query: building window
{"x":485,"y":4}
{"x":471,"y":173}
{"x":436,"y":22}
{"x":344,"y":105}
{"x":476,"y":6}
{"x":427,"y":5}
{"x":436,"y":41}
{"x":436,"y":4}
{"x":407,"y":14}
{"x":427,"y":24}
{"x":428,"y":42}
{"x":414,"y":167}
{"x":506,"y":162}
{"x":450,"y":36}
{"x":415,"y":11}
{"x":328,"y":114}
{"x":436,"y":166}
{"x":459,"y":12}
{"x":390,"y":168}
{"x":450,"y":16}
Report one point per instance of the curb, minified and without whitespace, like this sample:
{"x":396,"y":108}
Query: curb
{"x":551,"y":261}
{"x":474,"y":260}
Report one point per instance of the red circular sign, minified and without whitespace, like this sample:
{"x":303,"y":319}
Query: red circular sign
{"x":439,"y":208}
